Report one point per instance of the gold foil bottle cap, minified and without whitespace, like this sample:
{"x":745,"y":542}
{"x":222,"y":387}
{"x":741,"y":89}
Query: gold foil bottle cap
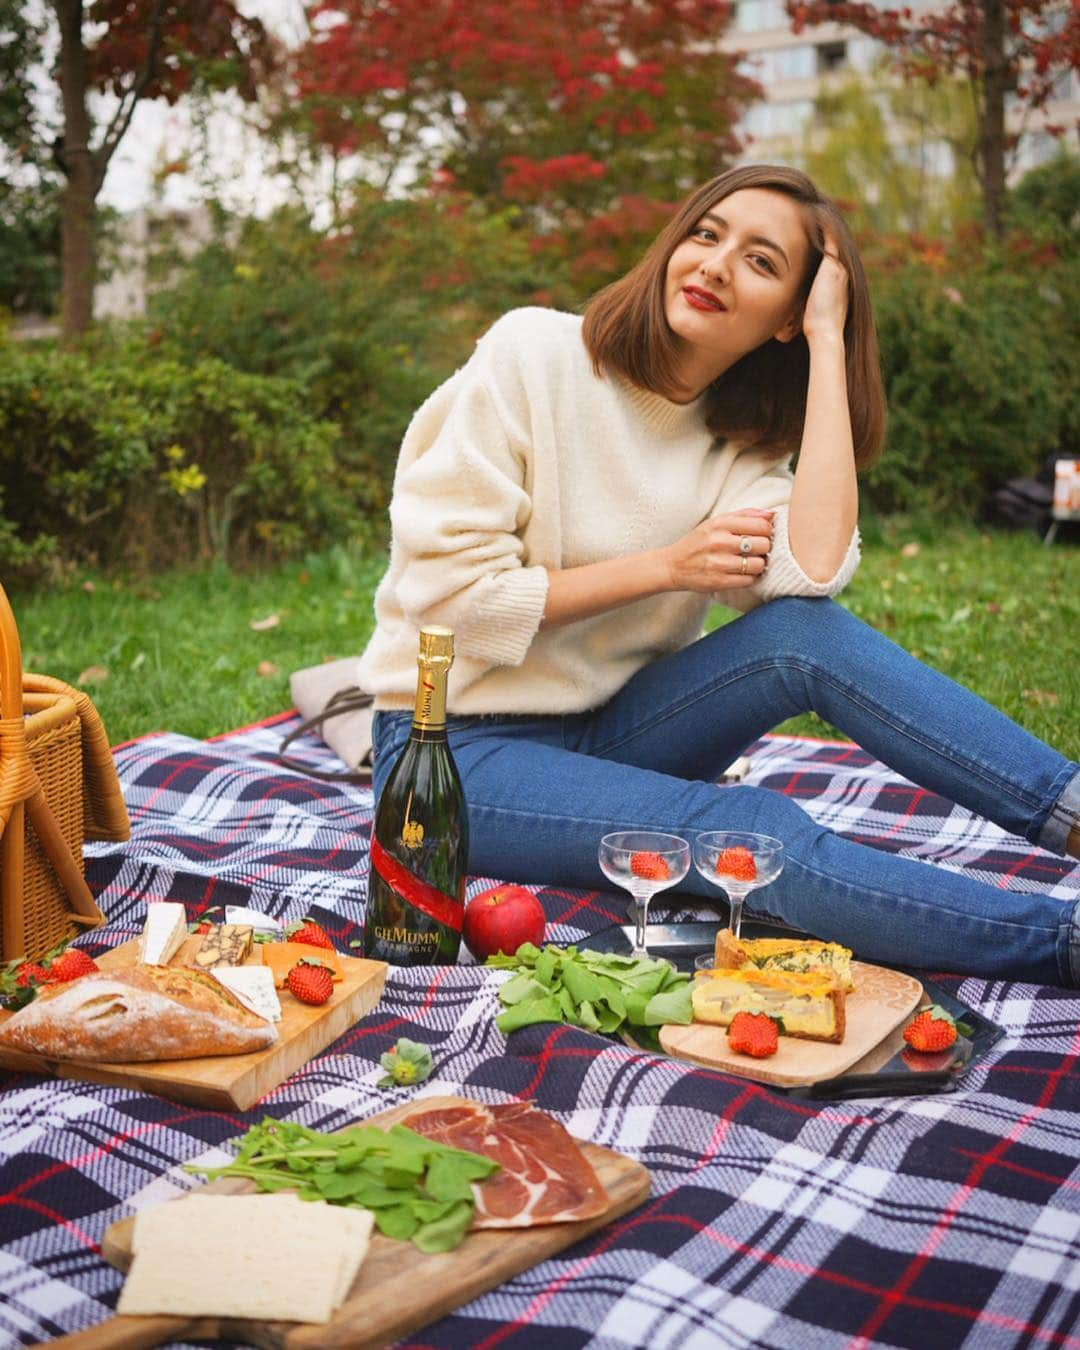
{"x":436,"y":644}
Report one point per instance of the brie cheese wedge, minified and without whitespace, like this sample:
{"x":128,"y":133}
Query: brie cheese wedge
{"x":163,"y":932}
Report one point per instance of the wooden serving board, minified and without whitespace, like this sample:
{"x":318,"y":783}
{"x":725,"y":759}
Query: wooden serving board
{"x":231,"y":1082}
{"x":398,"y":1288}
{"x":877,"y":1005}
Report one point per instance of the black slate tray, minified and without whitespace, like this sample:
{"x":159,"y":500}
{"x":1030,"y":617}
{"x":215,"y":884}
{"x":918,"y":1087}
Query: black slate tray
{"x":680,"y":943}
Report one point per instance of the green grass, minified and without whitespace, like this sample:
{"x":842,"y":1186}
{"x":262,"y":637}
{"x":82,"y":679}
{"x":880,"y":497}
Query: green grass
{"x":998,"y":612}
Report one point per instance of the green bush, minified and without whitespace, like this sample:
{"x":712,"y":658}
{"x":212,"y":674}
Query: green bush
{"x":120,"y":453}
{"x":369,"y":317}
{"x":979,"y":361}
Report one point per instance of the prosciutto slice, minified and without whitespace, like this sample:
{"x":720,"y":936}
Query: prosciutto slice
{"x":543,"y":1178}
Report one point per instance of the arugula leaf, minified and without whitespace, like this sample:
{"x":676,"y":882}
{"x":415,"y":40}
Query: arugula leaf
{"x":416,"y":1188}
{"x":443,"y":1235}
{"x":519,"y":987}
{"x":589,"y":989}
{"x":529,"y":1012}
{"x":670,"y":1005}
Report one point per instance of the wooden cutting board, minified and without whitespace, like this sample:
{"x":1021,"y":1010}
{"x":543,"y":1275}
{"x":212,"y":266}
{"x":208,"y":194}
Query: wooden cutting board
{"x":398,"y":1289}
{"x":229,"y":1082}
{"x":879,"y":1002}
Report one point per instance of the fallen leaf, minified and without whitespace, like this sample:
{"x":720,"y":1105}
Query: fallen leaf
{"x":1042,"y":696}
{"x":264,"y":625}
{"x":138,"y":660}
{"x":911,"y":550}
{"x":89,"y":587}
{"x":92,"y":675}
{"x":303,"y":578}
{"x":266,"y":669}
{"x":992,"y":607}
{"x":961,"y":615}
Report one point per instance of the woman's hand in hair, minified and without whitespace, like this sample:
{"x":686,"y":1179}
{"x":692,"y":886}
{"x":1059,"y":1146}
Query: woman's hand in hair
{"x":826,"y":305}
{"x":710,"y":557}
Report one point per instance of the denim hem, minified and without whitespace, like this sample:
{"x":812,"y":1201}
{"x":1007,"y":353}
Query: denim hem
{"x":1063,"y":815}
{"x":1071,"y":954}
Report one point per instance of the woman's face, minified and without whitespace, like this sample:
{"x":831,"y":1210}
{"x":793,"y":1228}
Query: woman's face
{"x":735,"y":280}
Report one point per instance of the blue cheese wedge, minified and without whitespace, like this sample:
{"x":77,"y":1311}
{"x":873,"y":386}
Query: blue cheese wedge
{"x":253,"y":986}
{"x":226,"y":944}
{"x":163,"y":932}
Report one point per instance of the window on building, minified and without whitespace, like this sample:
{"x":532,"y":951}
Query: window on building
{"x":832,"y":56}
{"x":864,"y":54}
{"x":788,"y":118}
{"x":793,"y":63}
{"x":755,"y":16}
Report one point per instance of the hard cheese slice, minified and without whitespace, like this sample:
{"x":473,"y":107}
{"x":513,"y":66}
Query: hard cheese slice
{"x":271,"y":1257}
{"x":163,"y":931}
{"x":282,"y":956}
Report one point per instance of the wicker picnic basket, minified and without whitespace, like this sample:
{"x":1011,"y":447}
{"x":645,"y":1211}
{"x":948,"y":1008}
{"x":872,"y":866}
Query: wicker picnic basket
{"x":58,"y":787}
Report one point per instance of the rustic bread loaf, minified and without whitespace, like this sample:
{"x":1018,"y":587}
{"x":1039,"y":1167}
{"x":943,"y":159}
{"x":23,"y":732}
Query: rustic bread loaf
{"x":137,"y":1014}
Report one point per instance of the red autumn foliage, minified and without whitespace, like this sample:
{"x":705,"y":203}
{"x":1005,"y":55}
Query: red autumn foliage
{"x":536,"y":101}
{"x":170,"y":45}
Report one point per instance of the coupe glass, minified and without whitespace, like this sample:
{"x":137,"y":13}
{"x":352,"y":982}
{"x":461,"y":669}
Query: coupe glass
{"x":643,"y":862}
{"x":738,"y":863}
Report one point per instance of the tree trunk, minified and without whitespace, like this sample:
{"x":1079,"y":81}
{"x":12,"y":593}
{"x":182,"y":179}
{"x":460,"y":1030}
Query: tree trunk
{"x":78,"y":250}
{"x":992,"y":117}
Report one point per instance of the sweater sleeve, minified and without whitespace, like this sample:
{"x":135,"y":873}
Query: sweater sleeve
{"x":458,"y":509}
{"x":783,"y":575}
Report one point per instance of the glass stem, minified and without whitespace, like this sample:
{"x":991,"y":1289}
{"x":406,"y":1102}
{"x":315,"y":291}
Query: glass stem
{"x":735,"y":903}
{"x":641,"y":914}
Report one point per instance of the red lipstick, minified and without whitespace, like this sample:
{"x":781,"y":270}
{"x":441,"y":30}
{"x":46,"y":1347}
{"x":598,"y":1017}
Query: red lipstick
{"x":702,"y":300}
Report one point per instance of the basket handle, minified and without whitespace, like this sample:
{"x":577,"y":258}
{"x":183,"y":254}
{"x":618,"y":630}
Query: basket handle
{"x":21,"y":791}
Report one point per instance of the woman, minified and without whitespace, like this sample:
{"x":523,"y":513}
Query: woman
{"x":575,"y":496}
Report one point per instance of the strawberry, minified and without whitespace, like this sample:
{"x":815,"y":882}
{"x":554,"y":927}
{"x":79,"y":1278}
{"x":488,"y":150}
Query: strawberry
{"x":205,"y":923}
{"x":70,"y":965}
{"x":754,"y":1034}
{"x":737,"y":862}
{"x":650,"y":866}
{"x":932,"y":1030}
{"x":29,"y":974}
{"x":310,"y":982}
{"x":309,"y":933}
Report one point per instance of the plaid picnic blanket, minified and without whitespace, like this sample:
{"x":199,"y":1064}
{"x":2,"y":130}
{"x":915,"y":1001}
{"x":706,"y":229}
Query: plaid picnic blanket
{"x":925,"y":1222}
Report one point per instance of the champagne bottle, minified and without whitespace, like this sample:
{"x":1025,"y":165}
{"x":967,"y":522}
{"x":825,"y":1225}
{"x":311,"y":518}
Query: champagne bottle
{"x":420,"y":840}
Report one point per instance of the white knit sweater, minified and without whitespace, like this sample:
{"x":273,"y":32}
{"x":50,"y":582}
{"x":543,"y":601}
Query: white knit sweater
{"x":525,"y":461}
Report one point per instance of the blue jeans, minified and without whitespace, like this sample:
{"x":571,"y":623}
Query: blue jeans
{"x":542,"y":790}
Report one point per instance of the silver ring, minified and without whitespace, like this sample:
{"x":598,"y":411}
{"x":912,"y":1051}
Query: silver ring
{"x":744,"y":565}
{"x":745,"y":545}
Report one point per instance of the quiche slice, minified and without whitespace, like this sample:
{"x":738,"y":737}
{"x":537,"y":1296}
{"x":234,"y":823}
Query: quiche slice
{"x":811,"y":1004}
{"x":795,"y":955}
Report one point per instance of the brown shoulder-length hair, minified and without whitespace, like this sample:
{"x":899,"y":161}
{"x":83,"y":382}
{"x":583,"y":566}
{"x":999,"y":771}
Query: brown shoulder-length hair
{"x":761,"y":400}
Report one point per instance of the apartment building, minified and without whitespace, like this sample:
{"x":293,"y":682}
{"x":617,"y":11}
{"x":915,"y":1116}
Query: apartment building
{"x":793,"y":68}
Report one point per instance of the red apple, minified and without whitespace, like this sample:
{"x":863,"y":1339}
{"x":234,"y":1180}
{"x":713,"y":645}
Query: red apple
{"x":500,"y":919}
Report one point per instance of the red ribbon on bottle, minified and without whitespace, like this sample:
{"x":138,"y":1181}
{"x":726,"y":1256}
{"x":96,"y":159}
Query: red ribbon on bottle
{"x":428,"y":899}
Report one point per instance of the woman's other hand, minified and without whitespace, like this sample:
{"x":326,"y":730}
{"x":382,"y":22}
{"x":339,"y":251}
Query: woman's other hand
{"x":713,"y":556}
{"x":826,"y":305}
